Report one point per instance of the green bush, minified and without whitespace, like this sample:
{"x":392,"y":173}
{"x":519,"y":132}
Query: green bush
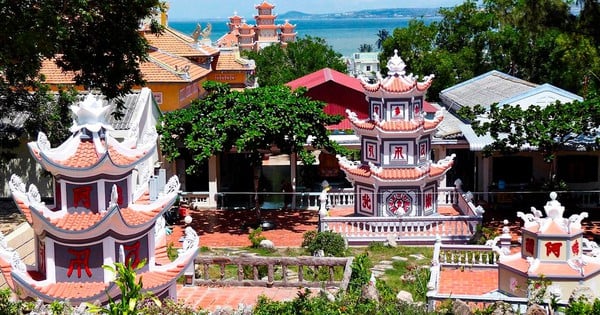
{"x":255,"y":237}
{"x":331,"y":243}
{"x":361,"y":272}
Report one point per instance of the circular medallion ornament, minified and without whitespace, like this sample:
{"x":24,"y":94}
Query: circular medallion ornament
{"x":399,"y":203}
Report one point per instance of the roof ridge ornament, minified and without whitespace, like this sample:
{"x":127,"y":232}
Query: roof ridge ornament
{"x":90,"y":114}
{"x":396,"y":65}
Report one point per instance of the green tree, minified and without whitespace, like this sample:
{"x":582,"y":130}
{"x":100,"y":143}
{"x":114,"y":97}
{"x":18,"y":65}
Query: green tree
{"x":276,"y":64}
{"x":250,"y":121}
{"x":98,"y":40}
{"x":382,"y":35}
{"x":548,"y":129}
{"x":537,"y":40}
{"x":365,"y":48}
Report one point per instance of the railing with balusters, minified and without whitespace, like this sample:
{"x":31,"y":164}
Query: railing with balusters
{"x":403,"y":230}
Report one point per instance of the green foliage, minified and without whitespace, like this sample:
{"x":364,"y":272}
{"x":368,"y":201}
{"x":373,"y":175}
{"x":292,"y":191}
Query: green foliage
{"x":331,"y":243}
{"x":256,"y":237}
{"x":168,"y":307}
{"x":361,"y":272}
{"x":365,"y":48}
{"x":7,"y":306}
{"x":583,"y":307}
{"x":131,"y":291}
{"x":550,"y":129}
{"x":277,"y":65}
{"x":172,"y":252}
{"x":539,"y":41}
{"x":483,"y":234}
{"x":97,"y":40}
{"x":250,"y":121}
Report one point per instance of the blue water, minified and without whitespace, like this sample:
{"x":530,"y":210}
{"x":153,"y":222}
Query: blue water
{"x":344,"y":35}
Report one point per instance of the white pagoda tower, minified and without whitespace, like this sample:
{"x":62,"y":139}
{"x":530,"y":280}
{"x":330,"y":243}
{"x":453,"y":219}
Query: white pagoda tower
{"x":107,"y":208}
{"x":395,"y":176}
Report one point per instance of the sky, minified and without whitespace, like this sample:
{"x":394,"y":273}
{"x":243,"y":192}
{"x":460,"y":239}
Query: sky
{"x":192,"y":10}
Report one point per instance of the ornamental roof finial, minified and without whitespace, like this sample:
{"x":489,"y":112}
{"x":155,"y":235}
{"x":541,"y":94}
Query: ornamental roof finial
{"x":90,"y":114}
{"x":553,"y":208}
{"x":396,"y":65}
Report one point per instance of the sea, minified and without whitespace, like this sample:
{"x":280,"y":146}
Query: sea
{"x":344,"y":35}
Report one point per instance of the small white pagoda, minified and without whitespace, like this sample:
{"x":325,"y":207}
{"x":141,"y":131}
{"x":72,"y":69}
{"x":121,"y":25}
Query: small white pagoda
{"x":552,"y":248}
{"x":107,"y":208}
{"x":396,"y":176}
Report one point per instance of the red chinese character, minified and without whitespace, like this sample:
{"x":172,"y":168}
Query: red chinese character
{"x":423,"y":149}
{"x":82,"y":195}
{"x":428,"y":200}
{"x":370,"y":151}
{"x":529,"y":243}
{"x":553,"y":248}
{"x":417,"y":109}
{"x":366,"y":201}
{"x":398,"y":152}
{"x":133,"y":254}
{"x":80,"y":261}
{"x":575,"y":248}
{"x":397,"y":111}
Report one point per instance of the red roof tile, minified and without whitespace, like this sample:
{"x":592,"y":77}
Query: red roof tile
{"x":84,"y":156}
{"x":397,"y":84}
{"x":323,"y":76}
{"x":265,"y":5}
{"x":6,"y":269}
{"x":77,"y":221}
{"x":179,"y":44}
{"x":165,"y":67}
{"x":25,"y":210}
{"x":399,"y":125}
{"x":120,"y":159}
{"x":72,"y":290}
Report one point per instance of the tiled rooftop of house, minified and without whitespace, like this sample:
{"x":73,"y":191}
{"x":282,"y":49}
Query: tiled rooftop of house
{"x":179,"y":44}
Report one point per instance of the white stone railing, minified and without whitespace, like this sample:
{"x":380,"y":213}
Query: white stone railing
{"x":403,"y":230}
{"x":344,"y":197}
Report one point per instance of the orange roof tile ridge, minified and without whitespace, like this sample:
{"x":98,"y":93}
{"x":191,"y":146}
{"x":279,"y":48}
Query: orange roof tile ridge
{"x":165,"y":66}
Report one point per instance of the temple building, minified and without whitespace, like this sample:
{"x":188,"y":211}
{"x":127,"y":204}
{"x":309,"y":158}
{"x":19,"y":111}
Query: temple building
{"x":255,"y":37}
{"x":395,"y":176}
{"x":176,"y":67}
{"x":552,"y":249}
{"x":107,"y":208}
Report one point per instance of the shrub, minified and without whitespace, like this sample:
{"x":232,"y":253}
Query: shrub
{"x":331,"y":243}
{"x":255,"y":237}
{"x":361,"y":272}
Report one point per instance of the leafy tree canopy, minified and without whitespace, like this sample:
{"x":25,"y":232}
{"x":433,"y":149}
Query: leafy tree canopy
{"x":549,"y":129}
{"x":540,"y":41}
{"x":250,"y":121}
{"x":276,"y":64}
{"x":98,"y":40}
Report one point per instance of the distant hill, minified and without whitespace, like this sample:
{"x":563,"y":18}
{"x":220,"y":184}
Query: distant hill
{"x":373,"y":13}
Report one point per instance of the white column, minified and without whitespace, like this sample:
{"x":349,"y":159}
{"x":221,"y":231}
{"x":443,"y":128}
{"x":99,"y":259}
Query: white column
{"x":100,"y":196}
{"x":108,"y":249}
{"x":63,"y":195}
{"x":151,"y":248}
{"x":293,"y":166}
{"x":50,"y":261}
{"x":213,"y":181}
{"x":442,"y":154}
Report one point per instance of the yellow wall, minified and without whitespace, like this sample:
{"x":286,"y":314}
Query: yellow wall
{"x":171,"y":94}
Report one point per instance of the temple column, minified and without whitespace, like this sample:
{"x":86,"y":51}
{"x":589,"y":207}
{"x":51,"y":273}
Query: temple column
{"x":213,"y":181}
